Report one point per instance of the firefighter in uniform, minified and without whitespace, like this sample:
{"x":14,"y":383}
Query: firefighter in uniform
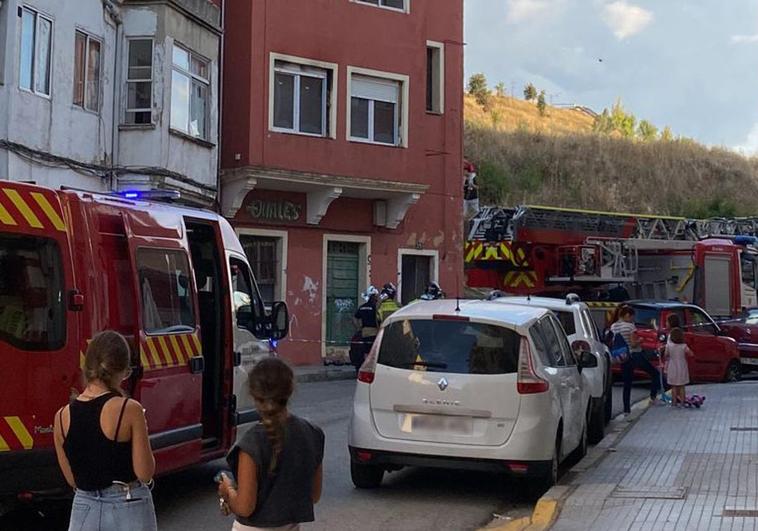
{"x":388,"y":304}
{"x":433,"y":292}
{"x":368,"y":327}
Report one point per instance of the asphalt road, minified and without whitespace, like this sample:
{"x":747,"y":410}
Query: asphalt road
{"x":414,"y":499}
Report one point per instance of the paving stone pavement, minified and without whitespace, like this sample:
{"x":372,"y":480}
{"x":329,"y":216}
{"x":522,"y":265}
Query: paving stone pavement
{"x":687,"y":469}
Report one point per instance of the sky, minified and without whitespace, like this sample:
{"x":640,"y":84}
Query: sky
{"x":688,"y":64}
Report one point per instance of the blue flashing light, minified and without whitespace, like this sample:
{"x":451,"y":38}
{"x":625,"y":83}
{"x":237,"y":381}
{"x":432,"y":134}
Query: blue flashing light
{"x":745,"y":240}
{"x":131,"y":195}
{"x":151,"y":195}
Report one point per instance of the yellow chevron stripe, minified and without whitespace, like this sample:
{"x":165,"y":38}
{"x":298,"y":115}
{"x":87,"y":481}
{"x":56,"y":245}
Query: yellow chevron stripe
{"x":4,"y":445}
{"x":49,"y":211}
{"x":177,"y":349}
{"x":21,"y":432}
{"x":506,"y":251}
{"x":5,"y":217}
{"x":166,"y":352}
{"x":154,"y":353}
{"x":30,"y":217}
{"x":198,"y":346}
{"x":143,"y":357}
{"x":187,"y":346}
{"x":491,"y":254}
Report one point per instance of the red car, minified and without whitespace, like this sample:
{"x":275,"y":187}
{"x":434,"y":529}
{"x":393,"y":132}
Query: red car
{"x":744,"y":330}
{"x":717,"y":358}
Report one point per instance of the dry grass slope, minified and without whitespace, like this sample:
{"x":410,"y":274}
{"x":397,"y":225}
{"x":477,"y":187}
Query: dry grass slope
{"x":557,"y":160}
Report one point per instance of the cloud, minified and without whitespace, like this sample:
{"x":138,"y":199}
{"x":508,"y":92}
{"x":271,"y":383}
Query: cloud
{"x":625,"y":19}
{"x":744,"y":39}
{"x":524,"y":10}
{"x":749,"y":146}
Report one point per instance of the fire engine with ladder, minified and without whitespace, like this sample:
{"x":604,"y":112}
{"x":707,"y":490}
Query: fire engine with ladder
{"x":537,"y":250}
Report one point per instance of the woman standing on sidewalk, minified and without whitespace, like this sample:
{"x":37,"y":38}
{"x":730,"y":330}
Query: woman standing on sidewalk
{"x":102,"y":445}
{"x":625,"y":327}
{"x":277,"y":462}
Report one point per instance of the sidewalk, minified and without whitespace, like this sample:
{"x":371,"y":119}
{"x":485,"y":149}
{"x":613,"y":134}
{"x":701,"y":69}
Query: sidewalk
{"x":322,"y":373}
{"x":686,"y":469}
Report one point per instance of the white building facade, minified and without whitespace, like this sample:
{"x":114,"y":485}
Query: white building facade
{"x":111,"y":94}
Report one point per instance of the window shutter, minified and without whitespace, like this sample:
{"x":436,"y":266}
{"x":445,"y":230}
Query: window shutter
{"x":375,"y":89}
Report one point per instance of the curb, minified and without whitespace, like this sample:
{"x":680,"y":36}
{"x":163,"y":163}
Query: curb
{"x":549,"y":506}
{"x":323,"y":374}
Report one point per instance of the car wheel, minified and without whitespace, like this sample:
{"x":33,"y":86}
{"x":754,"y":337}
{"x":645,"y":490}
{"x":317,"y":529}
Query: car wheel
{"x":541,"y":484}
{"x":733,"y":372}
{"x":366,"y":476}
{"x":608,"y":404}
{"x":597,"y":420}
{"x":581,"y":450}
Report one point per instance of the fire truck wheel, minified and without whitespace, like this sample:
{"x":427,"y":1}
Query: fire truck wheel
{"x":733,"y":372}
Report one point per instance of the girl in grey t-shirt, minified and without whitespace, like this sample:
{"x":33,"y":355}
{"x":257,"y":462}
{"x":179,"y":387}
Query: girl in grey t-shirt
{"x":278,"y":462}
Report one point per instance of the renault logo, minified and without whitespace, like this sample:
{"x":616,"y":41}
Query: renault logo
{"x":442,"y":384}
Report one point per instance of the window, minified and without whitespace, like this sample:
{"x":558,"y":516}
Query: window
{"x":262,"y":254}
{"x":166,"y":291}
{"x":86,"y":72}
{"x":301,"y":96}
{"x":374,"y":110}
{"x":435,"y":77}
{"x":700,"y":323}
{"x":459,"y":347}
{"x":139,"y":82}
{"x":36,"y":47}
{"x":32,"y":302}
{"x":393,"y":4}
{"x":567,"y":353}
{"x":248,"y":306}
{"x":567,"y":321}
{"x":550,"y":343}
{"x":190,"y":91}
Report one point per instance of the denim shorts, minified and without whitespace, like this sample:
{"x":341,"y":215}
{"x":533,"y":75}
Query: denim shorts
{"x":109,"y":509}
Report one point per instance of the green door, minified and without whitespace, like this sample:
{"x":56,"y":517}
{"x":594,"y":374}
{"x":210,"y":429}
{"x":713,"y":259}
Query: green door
{"x":341,"y":292}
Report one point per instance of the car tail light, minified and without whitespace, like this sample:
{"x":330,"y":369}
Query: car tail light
{"x":528,"y":382}
{"x":367,"y":371}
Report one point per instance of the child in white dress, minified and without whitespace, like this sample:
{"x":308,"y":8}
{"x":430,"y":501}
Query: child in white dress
{"x":677,"y":371}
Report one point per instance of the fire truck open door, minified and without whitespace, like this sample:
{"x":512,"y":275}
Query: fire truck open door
{"x":170,"y":381}
{"x":39,"y":342}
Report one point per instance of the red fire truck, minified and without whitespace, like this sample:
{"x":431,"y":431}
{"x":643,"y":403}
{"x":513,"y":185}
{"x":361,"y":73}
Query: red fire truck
{"x":174,"y":280}
{"x":542,"y":250}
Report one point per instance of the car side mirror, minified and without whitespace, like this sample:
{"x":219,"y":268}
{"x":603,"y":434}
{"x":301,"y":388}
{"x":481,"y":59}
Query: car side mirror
{"x":280,"y":321}
{"x":587,"y":360}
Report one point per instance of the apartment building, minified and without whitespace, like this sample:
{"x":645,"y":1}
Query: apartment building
{"x":342,"y":154}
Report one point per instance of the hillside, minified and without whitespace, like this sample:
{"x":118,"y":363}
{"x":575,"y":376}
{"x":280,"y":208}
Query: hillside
{"x":524,"y":158}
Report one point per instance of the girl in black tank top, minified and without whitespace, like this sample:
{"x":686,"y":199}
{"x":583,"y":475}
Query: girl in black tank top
{"x":96,"y":459}
{"x":109,"y":475}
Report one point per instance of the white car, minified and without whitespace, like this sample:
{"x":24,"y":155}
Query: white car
{"x":472,"y":384}
{"x":579,"y":326}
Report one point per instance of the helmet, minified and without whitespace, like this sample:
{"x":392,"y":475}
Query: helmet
{"x":389,"y":291}
{"x":433,"y":292}
{"x":370,"y":292}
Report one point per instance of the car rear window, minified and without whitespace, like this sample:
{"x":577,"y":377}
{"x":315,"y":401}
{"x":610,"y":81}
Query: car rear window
{"x":567,"y":322}
{"x":647,"y":317}
{"x":459,"y":347}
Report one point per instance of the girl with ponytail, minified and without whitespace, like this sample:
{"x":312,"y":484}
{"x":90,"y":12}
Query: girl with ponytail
{"x":278,"y":462}
{"x":102,"y":445}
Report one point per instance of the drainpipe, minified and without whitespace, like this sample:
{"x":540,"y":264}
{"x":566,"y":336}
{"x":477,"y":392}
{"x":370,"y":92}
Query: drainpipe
{"x":220,"y":105}
{"x":112,"y":9}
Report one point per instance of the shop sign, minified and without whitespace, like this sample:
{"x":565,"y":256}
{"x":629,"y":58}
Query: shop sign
{"x":264,"y":210}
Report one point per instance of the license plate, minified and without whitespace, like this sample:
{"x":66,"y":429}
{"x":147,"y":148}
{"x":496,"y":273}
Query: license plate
{"x":442,"y":423}
{"x":749,"y":361}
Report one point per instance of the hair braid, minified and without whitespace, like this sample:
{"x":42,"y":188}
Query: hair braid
{"x":106,"y":359}
{"x":271,"y":384}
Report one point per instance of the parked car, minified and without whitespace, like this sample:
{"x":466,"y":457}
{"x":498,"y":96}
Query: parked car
{"x":472,"y":384}
{"x":716,"y":355}
{"x":577,"y":322}
{"x":744,"y":330}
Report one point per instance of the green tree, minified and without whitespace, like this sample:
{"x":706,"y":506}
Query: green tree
{"x":500,"y":89}
{"x":477,"y":87}
{"x":530,"y":92}
{"x":623,"y":122}
{"x":667,"y":135}
{"x":603,"y":123}
{"x":647,"y":131}
{"x":541,"y":103}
